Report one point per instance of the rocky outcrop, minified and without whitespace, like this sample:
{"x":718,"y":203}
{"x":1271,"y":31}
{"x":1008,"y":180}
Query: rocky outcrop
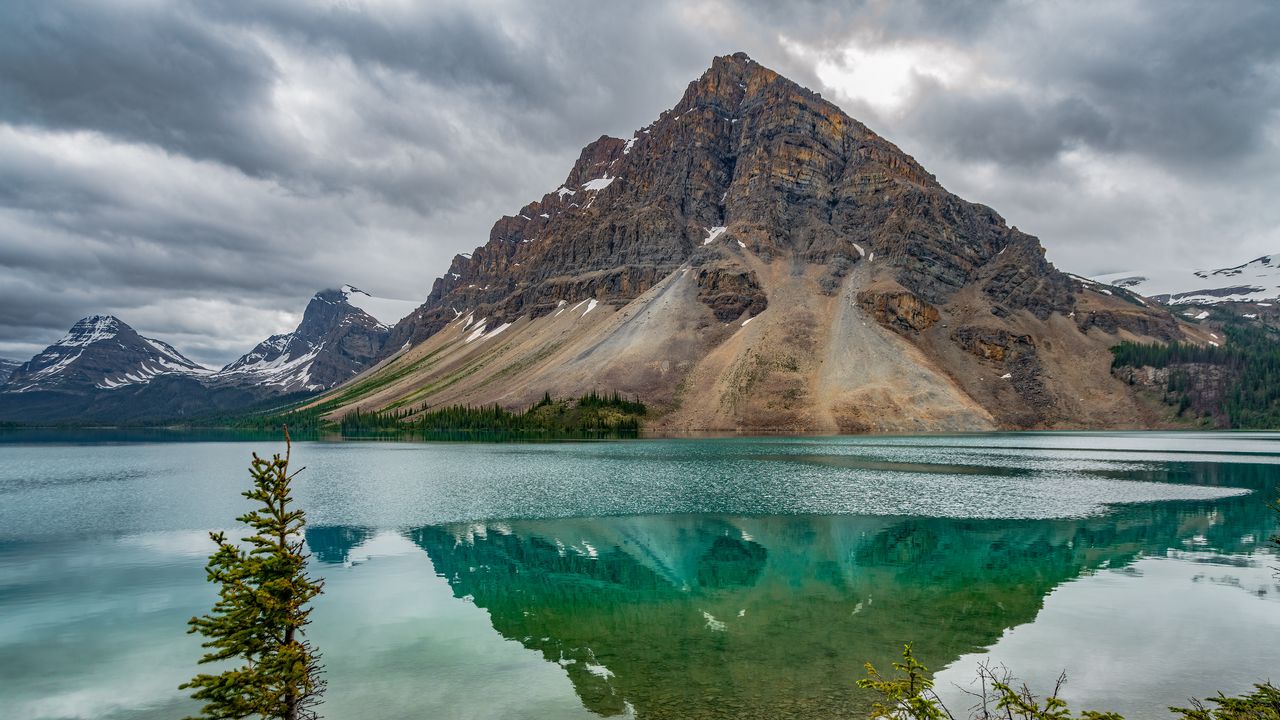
{"x":1157,"y":324}
{"x":901,"y":311}
{"x":1021,"y":279}
{"x":994,"y":344}
{"x":1016,"y":357}
{"x":1198,"y":389}
{"x":731,"y":293}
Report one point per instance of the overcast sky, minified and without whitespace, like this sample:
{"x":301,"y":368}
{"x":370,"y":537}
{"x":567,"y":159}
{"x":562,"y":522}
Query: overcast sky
{"x":202,"y":168}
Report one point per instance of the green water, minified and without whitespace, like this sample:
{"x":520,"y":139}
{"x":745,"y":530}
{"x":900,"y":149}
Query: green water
{"x":736,"y":578}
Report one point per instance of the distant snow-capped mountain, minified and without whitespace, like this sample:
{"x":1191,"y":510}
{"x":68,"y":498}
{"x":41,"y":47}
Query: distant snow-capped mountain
{"x":1255,"y":281}
{"x":103,"y":370}
{"x":341,"y":333}
{"x":102,"y":352}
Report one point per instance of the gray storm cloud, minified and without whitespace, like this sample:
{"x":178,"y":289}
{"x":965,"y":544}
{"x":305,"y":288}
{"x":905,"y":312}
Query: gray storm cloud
{"x":202,"y":168}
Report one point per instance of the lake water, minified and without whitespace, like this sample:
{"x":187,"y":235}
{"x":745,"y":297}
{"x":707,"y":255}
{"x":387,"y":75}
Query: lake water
{"x":725,"y":578}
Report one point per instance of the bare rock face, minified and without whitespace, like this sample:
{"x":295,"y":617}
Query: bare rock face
{"x":899,"y":310}
{"x":1205,"y":387}
{"x":756,"y":198}
{"x":1161,"y":326}
{"x":731,"y":293}
{"x":994,"y":344}
{"x":1021,"y":279}
{"x":1015,"y":356}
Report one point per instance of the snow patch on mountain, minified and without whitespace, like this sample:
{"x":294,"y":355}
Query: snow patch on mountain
{"x":92,"y":329}
{"x":599,"y":183}
{"x":284,"y":370}
{"x":58,"y":363}
{"x":477,"y":333}
{"x":147,"y":370}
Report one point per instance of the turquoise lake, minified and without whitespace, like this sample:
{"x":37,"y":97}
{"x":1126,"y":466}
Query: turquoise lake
{"x":687,"y":578}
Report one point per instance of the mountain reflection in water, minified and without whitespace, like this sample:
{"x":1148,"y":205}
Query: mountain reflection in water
{"x":703,"y":616}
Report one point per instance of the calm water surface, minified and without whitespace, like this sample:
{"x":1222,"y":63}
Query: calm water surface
{"x":730,"y":578}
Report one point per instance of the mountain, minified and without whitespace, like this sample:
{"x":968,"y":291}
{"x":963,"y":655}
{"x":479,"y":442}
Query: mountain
{"x":339,"y":336}
{"x":7,"y":367}
{"x":757,"y":260}
{"x":100,"y":352}
{"x":104,"y":371}
{"x":1255,"y":281}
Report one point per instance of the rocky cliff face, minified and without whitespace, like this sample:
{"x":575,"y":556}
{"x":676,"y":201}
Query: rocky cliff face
{"x":756,"y":259}
{"x":1204,"y":388}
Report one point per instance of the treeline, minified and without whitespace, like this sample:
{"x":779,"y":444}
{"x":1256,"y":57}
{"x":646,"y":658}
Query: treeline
{"x":1161,"y":355}
{"x":1250,"y":361}
{"x":592,"y":399}
{"x":592,"y":414}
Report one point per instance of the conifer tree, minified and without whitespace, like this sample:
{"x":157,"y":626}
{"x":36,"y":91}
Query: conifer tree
{"x":261,"y":611}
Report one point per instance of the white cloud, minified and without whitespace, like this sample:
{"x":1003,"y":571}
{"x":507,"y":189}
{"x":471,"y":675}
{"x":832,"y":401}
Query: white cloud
{"x":883,"y":76}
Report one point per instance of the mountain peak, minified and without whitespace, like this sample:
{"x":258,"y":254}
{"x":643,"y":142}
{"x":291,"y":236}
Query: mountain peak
{"x":93,"y":328}
{"x":727,"y":85}
{"x":101,"y":351}
{"x":342,"y":331}
{"x":740,"y":66}
{"x":784,"y":171}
